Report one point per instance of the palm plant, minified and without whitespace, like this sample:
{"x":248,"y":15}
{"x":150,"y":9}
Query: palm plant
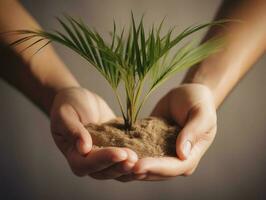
{"x":130,"y":57}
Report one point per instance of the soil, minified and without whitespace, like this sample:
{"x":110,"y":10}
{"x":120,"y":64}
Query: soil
{"x":149,"y":137}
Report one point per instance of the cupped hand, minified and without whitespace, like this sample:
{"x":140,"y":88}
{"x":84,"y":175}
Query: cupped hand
{"x":192,"y":107}
{"x":71,"y":110}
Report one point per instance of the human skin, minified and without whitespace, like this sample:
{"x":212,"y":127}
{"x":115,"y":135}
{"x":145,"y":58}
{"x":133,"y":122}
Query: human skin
{"x":49,"y":84}
{"x":193,"y":104}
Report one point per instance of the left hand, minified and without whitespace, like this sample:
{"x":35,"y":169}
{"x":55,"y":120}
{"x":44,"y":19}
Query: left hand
{"x":192,"y":107}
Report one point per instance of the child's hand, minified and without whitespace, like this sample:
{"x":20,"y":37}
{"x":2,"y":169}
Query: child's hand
{"x":72,"y":109}
{"x":192,"y":107}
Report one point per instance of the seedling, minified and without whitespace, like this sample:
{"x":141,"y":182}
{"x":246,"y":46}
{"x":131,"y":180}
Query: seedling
{"x":134,"y":57}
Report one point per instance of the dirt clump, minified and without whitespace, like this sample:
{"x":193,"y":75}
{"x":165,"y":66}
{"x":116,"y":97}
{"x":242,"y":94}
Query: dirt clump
{"x":149,"y":137}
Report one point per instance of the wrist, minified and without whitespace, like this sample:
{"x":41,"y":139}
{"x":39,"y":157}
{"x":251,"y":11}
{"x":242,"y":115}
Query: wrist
{"x":51,"y":76}
{"x":50,"y":94}
{"x":198,"y":76}
{"x":53,"y":82}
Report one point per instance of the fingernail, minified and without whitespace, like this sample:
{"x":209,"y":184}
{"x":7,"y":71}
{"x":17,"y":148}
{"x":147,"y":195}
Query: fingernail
{"x":187,"y":148}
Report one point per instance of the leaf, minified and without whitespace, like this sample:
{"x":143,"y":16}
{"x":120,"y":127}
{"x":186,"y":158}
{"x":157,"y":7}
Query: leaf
{"x":131,"y":57}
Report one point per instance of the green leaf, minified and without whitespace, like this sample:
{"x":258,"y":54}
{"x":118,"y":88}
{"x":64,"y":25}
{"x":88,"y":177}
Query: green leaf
{"x":131,"y":57}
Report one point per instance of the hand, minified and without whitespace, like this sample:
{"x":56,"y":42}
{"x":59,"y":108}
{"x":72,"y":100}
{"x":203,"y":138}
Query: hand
{"x":72,"y":109}
{"x":192,"y":107}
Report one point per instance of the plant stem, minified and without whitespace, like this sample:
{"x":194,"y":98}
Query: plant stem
{"x":137,"y":96}
{"x":128,"y":121}
{"x":142,"y":103}
{"x":120,"y":104}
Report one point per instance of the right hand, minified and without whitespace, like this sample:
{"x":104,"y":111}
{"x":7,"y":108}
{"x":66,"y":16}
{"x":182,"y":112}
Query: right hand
{"x":71,"y":110}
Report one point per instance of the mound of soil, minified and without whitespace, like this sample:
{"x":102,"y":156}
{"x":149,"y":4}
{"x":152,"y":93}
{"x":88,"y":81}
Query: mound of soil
{"x":149,"y":137}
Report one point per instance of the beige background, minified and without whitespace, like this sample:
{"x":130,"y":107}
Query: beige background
{"x":31,"y":167}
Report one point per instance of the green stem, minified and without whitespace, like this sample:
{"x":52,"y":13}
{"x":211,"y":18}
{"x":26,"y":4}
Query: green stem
{"x":120,"y":104}
{"x":142,"y":102}
{"x":128,"y":122}
{"x":136,"y":98}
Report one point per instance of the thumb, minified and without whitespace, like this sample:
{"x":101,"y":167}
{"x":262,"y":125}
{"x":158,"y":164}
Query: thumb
{"x":195,"y":125}
{"x":83,"y":141}
{"x":76,"y":130}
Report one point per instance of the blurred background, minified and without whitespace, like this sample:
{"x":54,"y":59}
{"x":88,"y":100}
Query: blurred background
{"x":31,"y":167}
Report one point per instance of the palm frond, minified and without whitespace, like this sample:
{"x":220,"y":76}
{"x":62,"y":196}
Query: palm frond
{"x":130,"y":57}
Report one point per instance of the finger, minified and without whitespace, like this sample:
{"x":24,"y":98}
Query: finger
{"x":114,"y":171}
{"x":118,"y":169}
{"x":96,"y":160}
{"x":74,"y":128}
{"x":127,"y":178}
{"x":155,"y":177}
{"x":131,"y":177}
{"x":197,"y":127}
{"x":164,"y":166}
{"x":142,"y":177}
